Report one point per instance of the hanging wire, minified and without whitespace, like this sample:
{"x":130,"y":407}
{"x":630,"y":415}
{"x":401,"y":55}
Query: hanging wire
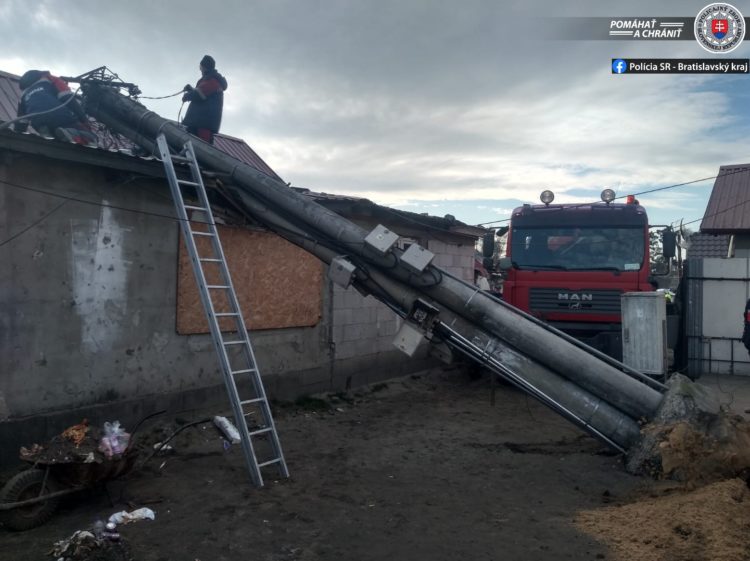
{"x":7,"y":124}
{"x":161,"y":97}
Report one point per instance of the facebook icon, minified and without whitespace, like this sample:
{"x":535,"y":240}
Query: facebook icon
{"x":619,"y":66}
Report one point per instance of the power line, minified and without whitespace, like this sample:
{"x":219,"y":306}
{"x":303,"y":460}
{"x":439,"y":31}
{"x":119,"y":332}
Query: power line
{"x":93,"y":203}
{"x":676,"y":185}
{"x":33,"y":224}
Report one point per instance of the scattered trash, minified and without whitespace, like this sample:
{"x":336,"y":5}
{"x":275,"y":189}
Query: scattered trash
{"x":80,"y":542}
{"x":115,"y":440}
{"x":99,"y":529}
{"x":124,"y":517}
{"x":163,"y":448}
{"x":29,"y":452}
{"x":77,"y":433}
{"x":229,"y":430}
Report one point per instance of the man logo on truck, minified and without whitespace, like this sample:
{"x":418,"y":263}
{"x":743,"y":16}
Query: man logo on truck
{"x":580,"y":297}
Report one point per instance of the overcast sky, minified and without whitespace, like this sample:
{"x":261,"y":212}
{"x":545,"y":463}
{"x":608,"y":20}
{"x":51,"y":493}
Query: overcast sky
{"x":454,"y":107}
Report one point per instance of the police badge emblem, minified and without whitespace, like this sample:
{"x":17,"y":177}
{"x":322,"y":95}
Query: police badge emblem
{"x":719,"y":28}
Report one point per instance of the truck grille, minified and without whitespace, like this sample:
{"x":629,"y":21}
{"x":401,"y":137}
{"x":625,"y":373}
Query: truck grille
{"x":574,"y":301}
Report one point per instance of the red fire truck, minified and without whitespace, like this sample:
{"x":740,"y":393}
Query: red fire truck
{"x":569,"y":264}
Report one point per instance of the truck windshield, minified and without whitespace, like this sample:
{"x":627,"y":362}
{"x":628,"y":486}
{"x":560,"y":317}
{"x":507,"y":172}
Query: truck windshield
{"x":578,"y":249}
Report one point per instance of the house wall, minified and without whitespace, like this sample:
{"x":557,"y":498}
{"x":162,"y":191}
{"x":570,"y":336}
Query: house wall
{"x":717,"y":292}
{"x":88,"y":297}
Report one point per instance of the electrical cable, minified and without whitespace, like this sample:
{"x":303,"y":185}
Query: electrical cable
{"x":656,"y":189}
{"x":160,"y":97}
{"x":33,"y":224}
{"x":7,"y":124}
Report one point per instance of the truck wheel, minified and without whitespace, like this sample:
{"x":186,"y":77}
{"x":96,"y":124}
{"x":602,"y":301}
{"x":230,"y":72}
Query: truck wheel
{"x":23,"y":486}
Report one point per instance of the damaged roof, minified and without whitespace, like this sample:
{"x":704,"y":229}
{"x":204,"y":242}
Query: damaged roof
{"x":116,"y":151}
{"x":728,"y":209}
{"x":10,"y":94}
{"x":351,"y":206}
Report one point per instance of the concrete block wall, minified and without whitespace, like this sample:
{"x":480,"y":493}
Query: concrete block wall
{"x":719,"y":290}
{"x":361,"y":325}
{"x":456,"y":259}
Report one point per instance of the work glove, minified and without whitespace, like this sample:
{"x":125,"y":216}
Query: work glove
{"x":187,"y":88}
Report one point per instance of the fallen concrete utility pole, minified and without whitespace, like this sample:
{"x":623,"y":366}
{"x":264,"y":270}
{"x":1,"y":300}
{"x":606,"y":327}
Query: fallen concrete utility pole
{"x":571,"y":375}
{"x":583,"y":409}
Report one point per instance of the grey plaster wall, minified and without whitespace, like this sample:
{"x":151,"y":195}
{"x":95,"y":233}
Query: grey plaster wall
{"x":87,"y":311}
{"x":88,"y":296}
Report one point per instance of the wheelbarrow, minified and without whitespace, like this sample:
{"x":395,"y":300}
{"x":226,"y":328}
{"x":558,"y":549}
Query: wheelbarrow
{"x":31,"y":497}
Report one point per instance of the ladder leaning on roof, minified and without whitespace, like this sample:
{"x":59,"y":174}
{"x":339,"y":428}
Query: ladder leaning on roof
{"x":236,"y":354}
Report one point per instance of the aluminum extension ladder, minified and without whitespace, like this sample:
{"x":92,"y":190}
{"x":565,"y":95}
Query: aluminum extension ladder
{"x":233,"y":348}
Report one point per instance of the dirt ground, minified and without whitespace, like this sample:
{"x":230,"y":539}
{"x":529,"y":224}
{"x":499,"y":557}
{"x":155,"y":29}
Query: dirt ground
{"x":419,"y":468}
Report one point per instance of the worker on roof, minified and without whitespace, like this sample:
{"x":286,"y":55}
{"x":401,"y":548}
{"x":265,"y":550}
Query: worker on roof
{"x":203,"y":117}
{"x":52,"y":109}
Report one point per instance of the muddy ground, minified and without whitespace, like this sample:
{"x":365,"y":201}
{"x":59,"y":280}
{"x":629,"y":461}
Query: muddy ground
{"x":420,"y":468}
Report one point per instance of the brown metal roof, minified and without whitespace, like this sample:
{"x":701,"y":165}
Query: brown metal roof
{"x":10,"y":94}
{"x":238,"y":148}
{"x":728,"y":209}
{"x":701,"y":246}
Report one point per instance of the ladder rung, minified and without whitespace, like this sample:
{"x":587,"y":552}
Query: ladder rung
{"x":186,"y":182}
{"x":191,"y":207}
{"x":216,"y":286}
{"x":226,"y":314}
{"x":255,"y":400}
{"x":269,"y":462}
{"x":234,"y":342}
{"x":260,"y":431}
{"x":210,"y":260}
{"x":245,"y":371}
{"x":201,"y":233}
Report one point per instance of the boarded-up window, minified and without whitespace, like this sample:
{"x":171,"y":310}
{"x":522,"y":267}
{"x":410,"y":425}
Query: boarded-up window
{"x":278,"y":285}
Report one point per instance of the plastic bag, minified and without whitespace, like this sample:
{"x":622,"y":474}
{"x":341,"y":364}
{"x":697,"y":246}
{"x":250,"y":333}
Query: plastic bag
{"x":123,"y":517}
{"x":115,"y":440}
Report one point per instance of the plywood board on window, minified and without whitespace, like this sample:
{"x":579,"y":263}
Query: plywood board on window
{"x":278,"y":285}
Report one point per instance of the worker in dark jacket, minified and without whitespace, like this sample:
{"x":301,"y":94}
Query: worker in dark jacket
{"x":203,"y":117}
{"x":52,"y":108}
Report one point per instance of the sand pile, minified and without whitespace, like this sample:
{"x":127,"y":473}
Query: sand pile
{"x":708,"y":524}
{"x":692,"y":438}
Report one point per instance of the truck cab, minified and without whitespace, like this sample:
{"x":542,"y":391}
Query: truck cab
{"x":568,"y":265}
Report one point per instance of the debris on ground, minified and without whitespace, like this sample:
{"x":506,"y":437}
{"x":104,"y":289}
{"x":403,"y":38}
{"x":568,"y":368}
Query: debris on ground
{"x":692,"y":438}
{"x":708,"y":524}
{"x":124,"y":517}
{"x":227,"y":429}
{"x":85,"y":546}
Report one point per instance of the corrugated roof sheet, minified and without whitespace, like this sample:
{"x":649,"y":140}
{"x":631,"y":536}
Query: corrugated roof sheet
{"x":238,"y":148}
{"x":703,"y":246}
{"x":728,"y":209}
{"x":10,"y":94}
